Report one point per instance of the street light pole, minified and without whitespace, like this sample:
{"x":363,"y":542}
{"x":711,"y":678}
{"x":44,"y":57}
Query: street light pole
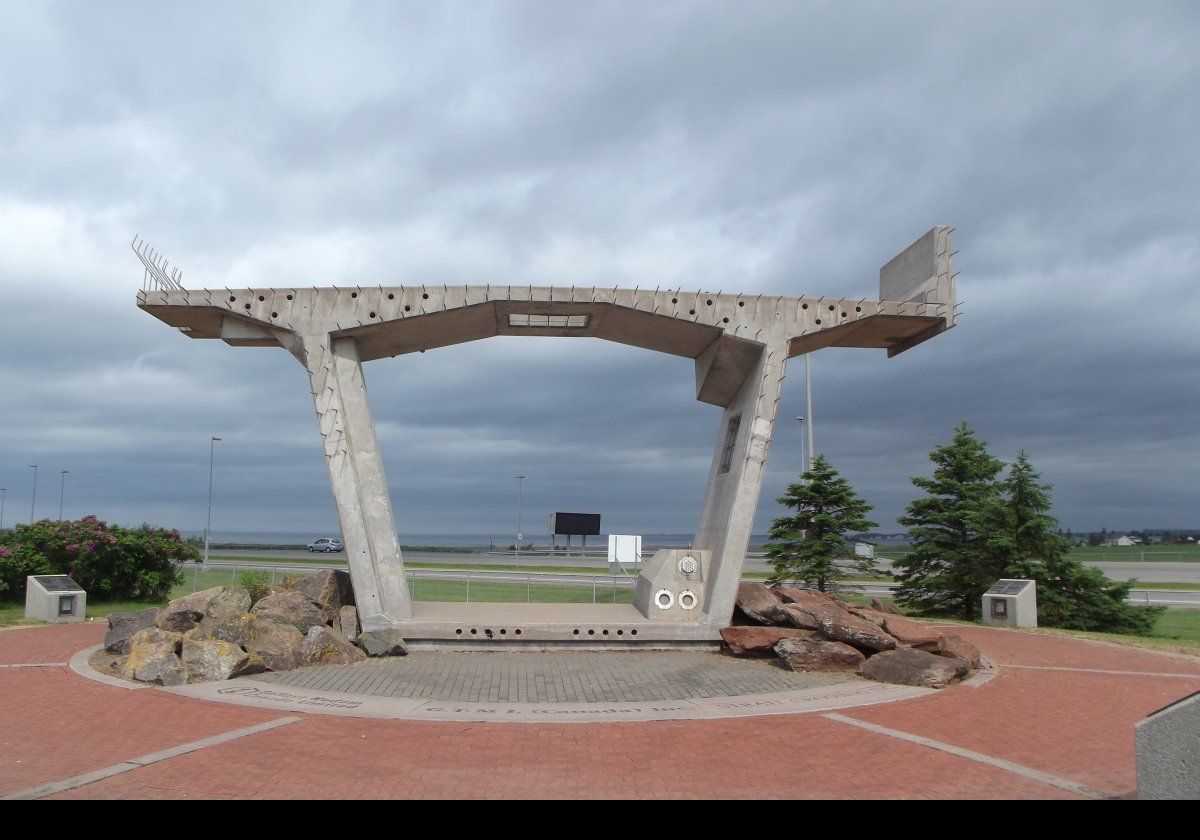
{"x":803,"y":460}
{"x":62,"y":490}
{"x":33,"y":500}
{"x":520,"y":500}
{"x":3,"y":496}
{"x":212,"y":445}
{"x":808,"y":406}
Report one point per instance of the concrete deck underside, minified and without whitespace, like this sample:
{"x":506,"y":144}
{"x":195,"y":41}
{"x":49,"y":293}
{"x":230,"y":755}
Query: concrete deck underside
{"x":740,"y":344}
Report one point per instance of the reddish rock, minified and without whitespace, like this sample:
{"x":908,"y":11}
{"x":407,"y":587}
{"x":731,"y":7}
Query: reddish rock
{"x":801,"y":619}
{"x":792,"y":595}
{"x":909,"y":666}
{"x":818,"y":655}
{"x":838,"y":625}
{"x":956,"y":647}
{"x":885,"y":607}
{"x":747,"y":640}
{"x":910,"y":632}
{"x":757,"y":603}
{"x":876,"y":618}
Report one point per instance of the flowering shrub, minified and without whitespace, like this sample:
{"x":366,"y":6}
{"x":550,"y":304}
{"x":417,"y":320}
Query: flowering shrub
{"x":109,"y":562}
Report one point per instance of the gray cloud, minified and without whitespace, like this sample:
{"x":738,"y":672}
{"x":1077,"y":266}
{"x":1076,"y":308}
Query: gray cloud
{"x":770,"y":147}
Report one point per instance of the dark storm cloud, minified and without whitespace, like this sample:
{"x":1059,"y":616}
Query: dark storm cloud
{"x":772,"y":148}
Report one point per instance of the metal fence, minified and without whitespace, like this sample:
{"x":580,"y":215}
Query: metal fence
{"x":498,"y":586}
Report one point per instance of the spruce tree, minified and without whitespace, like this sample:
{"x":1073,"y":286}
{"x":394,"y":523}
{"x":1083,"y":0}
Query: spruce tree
{"x":1020,"y":533}
{"x":810,"y":546}
{"x":951,"y":563}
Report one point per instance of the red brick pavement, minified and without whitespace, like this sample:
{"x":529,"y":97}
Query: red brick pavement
{"x":1073,"y":725}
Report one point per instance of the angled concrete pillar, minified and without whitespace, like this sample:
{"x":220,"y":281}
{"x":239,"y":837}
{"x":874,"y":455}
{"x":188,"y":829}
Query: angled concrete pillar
{"x":738,"y":467}
{"x":356,"y":476}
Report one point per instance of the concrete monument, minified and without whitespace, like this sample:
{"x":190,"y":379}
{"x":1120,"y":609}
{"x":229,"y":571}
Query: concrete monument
{"x":740,"y":343}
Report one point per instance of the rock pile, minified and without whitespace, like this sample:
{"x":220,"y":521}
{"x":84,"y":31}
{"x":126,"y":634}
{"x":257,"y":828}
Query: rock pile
{"x":813,"y":631}
{"x":217,"y":634}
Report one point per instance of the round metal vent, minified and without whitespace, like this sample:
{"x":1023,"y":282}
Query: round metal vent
{"x":687,"y":565}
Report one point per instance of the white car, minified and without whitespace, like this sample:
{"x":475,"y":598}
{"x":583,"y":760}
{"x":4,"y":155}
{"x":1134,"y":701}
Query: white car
{"x":327,"y":545}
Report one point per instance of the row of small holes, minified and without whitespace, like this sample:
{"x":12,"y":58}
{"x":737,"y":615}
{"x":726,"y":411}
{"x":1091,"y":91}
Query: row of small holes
{"x":475,"y":631}
{"x":575,"y":632}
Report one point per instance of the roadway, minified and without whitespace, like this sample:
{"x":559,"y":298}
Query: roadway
{"x":1148,"y":572}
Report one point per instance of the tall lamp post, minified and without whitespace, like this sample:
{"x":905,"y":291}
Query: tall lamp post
{"x":62,"y":490}
{"x":808,"y":405}
{"x":520,"y":499}
{"x":33,"y":500}
{"x":212,"y":445}
{"x":3,"y":496}
{"x":804,"y":465}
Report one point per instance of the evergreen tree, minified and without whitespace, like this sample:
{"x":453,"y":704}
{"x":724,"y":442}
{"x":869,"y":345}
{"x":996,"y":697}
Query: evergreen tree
{"x":810,"y":546}
{"x":951,"y":564}
{"x":1020,"y":533}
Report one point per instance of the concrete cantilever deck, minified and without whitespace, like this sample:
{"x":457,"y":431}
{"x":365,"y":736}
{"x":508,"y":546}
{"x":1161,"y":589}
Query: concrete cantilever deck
{"x":740,"y":344}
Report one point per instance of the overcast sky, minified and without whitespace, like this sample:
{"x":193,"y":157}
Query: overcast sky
{"x":786,"y":148}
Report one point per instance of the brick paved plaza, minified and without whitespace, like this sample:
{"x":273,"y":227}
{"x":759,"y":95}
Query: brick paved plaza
{"x":1055,"y":722}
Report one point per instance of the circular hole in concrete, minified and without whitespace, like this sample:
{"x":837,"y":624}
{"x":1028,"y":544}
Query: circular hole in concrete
{"x":632,"y":632}
{"x":391,"y":296}
{"x":274,"y":314}
{"x":673,"y":300}
{"x":591,"y":632}
{"x":289,"y":297}
{"x":620,"y":632}
{"x":804,"y":306}
{"x":575,"y":632}
{"x":372,"y":314}
{"x":691,"y":311}
{"x":425,"y":296}
{"x":725,"y":320}
{"x":474,"y":632}
{"x":604,"y":633}
{"x":831,"y":309}
{"x":818,"y":320}
{"x":518,"y":631}
{"x":741,"y":303}
{"x":708,"y":303}
{"x":247,"y":306}
{"x":858,"y":309}
{"x":354,"y":294}
{"x":458,"y":631}
{"x":232,"y":298}
{"x":407,"y":308}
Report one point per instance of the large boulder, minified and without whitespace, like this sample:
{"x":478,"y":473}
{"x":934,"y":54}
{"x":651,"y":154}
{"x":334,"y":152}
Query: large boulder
{"x":744,"y":641}
{"x":331,"y":588}
{"x":153,"y":658}
{"x":818,"y":655}
{"x":909,"y":632}
{"x":347,"y":622}
{"x":232,"y":602}
{"x":224,"y":628}
{"x":383,"y":643}
{"x":956,"y":647}
{"x":793,"y":595}
{"x":909,"y":666}
{"x":295,"y":608}
{"x":326,"y":646}
{"x":182,"y":614}
{"x":122,"y":626}
{"x":210,"y":660}
{"x":885,"y":607}
{"x":277,"y":643}
{"x":836,"y":623}
{"x":758,"y":604}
